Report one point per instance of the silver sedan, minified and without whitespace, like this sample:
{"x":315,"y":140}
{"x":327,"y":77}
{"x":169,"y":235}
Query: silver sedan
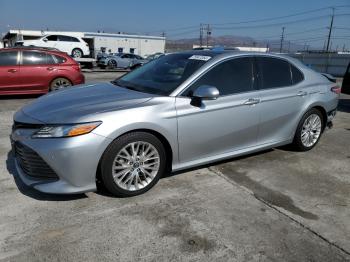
{"x":121,"y":60}
{"x":179,"y":111}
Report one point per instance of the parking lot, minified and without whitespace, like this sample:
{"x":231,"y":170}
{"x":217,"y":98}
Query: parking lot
{"x":276,"y":205}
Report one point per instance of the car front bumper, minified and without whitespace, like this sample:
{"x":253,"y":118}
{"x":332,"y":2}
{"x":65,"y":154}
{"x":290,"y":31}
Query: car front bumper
{"x":74,"y":160}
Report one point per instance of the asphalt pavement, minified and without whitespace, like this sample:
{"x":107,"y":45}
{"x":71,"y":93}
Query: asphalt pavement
{"x":277,"y":205}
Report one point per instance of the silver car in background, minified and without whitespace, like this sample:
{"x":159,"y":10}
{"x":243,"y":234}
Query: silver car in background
{"x":176,"y":112}
{"x":121,"y":60}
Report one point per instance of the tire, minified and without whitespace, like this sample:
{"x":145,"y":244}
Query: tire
{"x":59,"y":83}
{"x":77,"y":53}
{"x":112,"y":64}
{"x":300,"y":142}
{"x":124,"y":178}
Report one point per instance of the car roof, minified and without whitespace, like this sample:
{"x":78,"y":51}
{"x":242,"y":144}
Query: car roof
{"x":34,"y":48}
{"x":222,"y":54}
{"x":229,"y":53}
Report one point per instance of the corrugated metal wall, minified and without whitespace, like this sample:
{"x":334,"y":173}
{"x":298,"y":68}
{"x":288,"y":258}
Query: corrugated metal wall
{"x":334,"y":64}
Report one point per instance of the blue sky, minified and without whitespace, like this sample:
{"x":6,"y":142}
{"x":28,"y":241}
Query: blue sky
{"x":155,"y":16}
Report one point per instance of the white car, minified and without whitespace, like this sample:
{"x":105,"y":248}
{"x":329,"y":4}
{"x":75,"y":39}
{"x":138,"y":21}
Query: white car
{"x":74,"y":46}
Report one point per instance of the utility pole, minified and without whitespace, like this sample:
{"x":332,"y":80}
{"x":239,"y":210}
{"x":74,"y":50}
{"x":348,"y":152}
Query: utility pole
{"x":201,"y":35}
{"x":282,"y":38}
{"x":288,"y":46}
{"x":208,"y":34}
{"x":330,"y":30}
{"x":208,"y":31}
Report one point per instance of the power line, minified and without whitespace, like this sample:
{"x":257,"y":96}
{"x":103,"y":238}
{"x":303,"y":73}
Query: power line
{"x":318,"y":38}
{"x":281,"y":17}
{"x":183,"y":33}
{"x":272,"y":18}
{"x":274,"y":24}
{"x":294,"y":33}
{"x":173,"y":29}
{"x":253,"y":21}
{"x":341,"y":28}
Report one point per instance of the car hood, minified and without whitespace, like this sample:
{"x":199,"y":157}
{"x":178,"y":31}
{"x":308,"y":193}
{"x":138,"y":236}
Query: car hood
{"x":80,"y":103}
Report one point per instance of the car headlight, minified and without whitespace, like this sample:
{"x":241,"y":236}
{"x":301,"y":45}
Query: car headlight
{"x":56,"y":131}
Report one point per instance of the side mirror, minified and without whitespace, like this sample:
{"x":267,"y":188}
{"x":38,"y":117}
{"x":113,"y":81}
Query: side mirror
{"x":45,"y":39}
{"x":204,"y":92}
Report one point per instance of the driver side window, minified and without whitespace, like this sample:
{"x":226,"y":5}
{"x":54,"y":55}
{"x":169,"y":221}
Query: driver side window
{"x":229,"y":77}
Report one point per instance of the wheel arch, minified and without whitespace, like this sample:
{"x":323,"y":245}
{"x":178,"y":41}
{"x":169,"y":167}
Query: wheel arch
{"x":54,"y":78}
{"x":167,"y":146}
{"x":317,"y":106}
{"x":324,"y":114}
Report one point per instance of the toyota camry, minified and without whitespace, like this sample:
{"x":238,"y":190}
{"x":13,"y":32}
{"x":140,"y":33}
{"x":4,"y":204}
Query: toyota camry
{"x":176,"y":112}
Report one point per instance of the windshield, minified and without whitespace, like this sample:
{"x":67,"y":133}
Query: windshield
{"x":163,"y":75}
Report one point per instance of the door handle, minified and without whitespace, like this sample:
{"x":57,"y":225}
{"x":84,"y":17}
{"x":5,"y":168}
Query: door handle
{"x":50,"y":68}
{"x":12,"y":70}
{"x":252,"y":101}
{"x":301,"y":93}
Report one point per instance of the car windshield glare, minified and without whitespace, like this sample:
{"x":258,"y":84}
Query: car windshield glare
{"x":162,"y":76}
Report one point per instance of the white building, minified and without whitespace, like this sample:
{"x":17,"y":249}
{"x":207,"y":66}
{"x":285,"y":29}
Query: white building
{"x":138,"y":44}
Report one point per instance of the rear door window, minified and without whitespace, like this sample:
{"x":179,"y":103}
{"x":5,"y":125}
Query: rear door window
{"x":274,"y":72}
{"x":8,"y":58}
{"x":59,"y":59}
{"x":297,"y":76}
{"x":50,"y":59}
{"x":34,"y":58}
{"x":64,"y":38}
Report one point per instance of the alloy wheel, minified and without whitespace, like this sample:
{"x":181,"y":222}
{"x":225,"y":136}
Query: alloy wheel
{"x":60,"y":83}
{"x":135,"y":165}
{"x":311,"y":130}
{"x":77,"y":53}
{"x":112,"y":63}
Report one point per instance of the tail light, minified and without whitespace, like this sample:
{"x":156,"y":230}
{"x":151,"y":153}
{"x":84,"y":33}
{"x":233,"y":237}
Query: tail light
{"x":76,"y":67}
{"x":336,"y":89}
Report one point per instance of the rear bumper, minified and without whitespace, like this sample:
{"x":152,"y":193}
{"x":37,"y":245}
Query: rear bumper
{"x":80,"y":79}
{"x":331,"y":114}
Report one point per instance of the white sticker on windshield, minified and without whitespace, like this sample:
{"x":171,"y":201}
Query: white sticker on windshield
{"x":200,"y":57}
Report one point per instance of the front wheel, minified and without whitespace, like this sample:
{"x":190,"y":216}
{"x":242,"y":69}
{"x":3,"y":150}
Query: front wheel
{"x":309,"y":130}
{"x":112,"y":64}
{"x":133,"y":164}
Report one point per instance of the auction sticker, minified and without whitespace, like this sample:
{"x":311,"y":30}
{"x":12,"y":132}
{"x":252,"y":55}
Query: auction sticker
{"x":200,"y":57}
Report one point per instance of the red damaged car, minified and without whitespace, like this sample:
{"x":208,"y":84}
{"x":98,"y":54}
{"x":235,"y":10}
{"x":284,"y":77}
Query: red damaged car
{"x":30,"y":70}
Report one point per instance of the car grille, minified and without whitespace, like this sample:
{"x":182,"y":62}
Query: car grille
{"x":17,"y":125}
{"x":32,"y":164}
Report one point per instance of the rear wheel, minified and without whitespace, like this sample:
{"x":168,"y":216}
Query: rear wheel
{"x":133,"y":164}
{"x":309,"y":130}
{"x":77,"y":53}
{"x":112,"y":64}
{"x":59,"y":83}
